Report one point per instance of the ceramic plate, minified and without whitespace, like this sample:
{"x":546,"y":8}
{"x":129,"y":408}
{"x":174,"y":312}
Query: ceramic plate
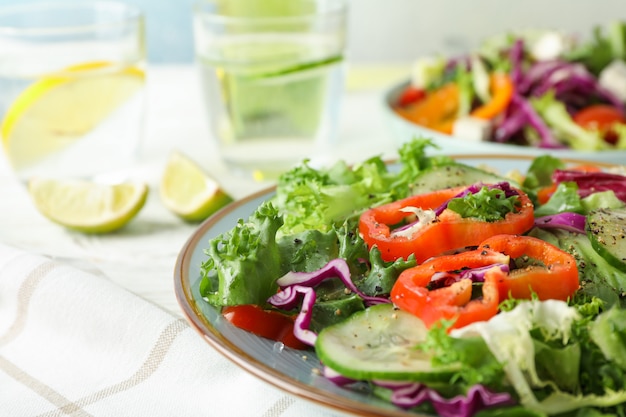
{"x":404,"y":130}
{"x":290,"y":370}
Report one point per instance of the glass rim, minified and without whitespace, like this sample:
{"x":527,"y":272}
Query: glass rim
{"x":338,"y":7}
{"x":130,"y":13}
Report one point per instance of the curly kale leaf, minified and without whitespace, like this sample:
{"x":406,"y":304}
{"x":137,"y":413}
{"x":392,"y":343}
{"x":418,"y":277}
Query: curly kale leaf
{"x":382,"y":275}
{"x":244,"y":263}
{"x":487,"y":204}
{"x":308,"y":250}
{"x":324,"y":198}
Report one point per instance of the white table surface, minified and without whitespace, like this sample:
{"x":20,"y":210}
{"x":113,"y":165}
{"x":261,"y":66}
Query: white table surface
{"x":141,"y":257}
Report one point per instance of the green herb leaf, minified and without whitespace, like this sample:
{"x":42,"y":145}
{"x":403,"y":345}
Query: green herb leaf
{"x":489,"y":205}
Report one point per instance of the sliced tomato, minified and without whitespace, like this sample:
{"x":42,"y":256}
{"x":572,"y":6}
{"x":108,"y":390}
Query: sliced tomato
{"x":449,"y":232}
{"x":265,"y":323}
{"x":411,"y":95}
{"x":600,"y":117}
{"x":553,"y":275}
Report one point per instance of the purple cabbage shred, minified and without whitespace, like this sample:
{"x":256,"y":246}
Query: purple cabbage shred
{"x":572,"y":222}
{"x":445,"y":279}
{"x":289,"y":298}
{"x":593,"y":182}
{"x":409,"y":395}
{"x":296,"y":284}
{"x":336,"y":268}
{"x":335,"y":377}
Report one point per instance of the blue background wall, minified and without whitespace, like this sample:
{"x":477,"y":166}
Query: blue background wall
{"x":168,"y":27}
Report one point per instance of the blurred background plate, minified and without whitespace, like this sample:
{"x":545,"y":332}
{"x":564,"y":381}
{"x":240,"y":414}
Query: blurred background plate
{"x":403,"y":130}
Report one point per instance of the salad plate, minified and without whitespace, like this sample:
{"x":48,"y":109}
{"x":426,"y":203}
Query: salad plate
{"x":403,"y":131}
{"x":524,"y":92}
{"x":297,"y":372}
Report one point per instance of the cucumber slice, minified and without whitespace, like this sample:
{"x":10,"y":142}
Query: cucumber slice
{"x":453,"y":175}
{"x":606,"y":229}
{"x":379,"y":343}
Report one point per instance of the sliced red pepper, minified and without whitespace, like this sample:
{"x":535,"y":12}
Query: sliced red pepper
{"x":269,"y":324}
{"x":454,"y":302}
{"x":555,"y":276}
{"x":449,"y":232}
{"x":437,"y":110}
{"x":544,"y":193}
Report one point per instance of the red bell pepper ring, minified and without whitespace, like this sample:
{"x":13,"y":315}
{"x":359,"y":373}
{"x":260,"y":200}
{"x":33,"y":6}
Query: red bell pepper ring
{"x":553,"y":275}
{"x":449,"y":232}
{"x":411,"y":291}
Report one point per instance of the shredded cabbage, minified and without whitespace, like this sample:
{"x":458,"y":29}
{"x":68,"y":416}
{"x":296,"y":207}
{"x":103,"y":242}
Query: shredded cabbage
{"x":508,"y":336}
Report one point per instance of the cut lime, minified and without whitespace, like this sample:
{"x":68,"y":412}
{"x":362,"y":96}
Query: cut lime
{"x":87,"y":206}
{"x":61,"y":108}
{"x":188,"y":191}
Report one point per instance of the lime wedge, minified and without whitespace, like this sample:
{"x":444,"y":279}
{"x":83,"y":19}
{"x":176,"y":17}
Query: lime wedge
{"x":189,"y":192}
{"x":87,"y":206}
{"x":61,"y":108}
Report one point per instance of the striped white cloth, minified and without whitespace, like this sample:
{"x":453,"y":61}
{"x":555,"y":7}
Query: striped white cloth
{"x":75,"y":344}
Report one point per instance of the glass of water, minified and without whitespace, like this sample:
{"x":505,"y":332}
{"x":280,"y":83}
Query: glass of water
{"x":272,"y":77}
{"x":72,"y":82}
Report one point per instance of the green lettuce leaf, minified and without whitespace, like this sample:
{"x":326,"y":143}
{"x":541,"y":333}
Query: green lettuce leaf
{"x":321,"y":199}
{"x":244,"y":263}
{"x":564,"y":199}
{"x":602,"y":199}
{"x":605,"y":45}
{"x":488,"y":205}
{"x":558,"y":119}
{"x":539,"y":173}
{"x":513,"y":338}
{"x":608,"y":331}
{"x":381,"y":276}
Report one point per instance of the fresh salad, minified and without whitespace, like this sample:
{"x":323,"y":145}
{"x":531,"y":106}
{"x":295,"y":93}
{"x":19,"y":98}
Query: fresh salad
{"x":535,"y":88}
{"x":444,"y":288}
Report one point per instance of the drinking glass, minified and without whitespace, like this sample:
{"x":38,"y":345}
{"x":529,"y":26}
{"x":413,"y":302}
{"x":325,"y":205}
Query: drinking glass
{"x":72,"y":81}
{"x":272,"y":78}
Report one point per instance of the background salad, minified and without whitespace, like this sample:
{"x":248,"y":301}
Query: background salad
{"x":299,"y":267}
{"x":543,"y":89}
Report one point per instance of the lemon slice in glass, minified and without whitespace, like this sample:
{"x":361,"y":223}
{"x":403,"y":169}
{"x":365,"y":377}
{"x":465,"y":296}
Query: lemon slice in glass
{"x":189,"y":192}
{"x":88,"y":206}
{"x":60,"y":108}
